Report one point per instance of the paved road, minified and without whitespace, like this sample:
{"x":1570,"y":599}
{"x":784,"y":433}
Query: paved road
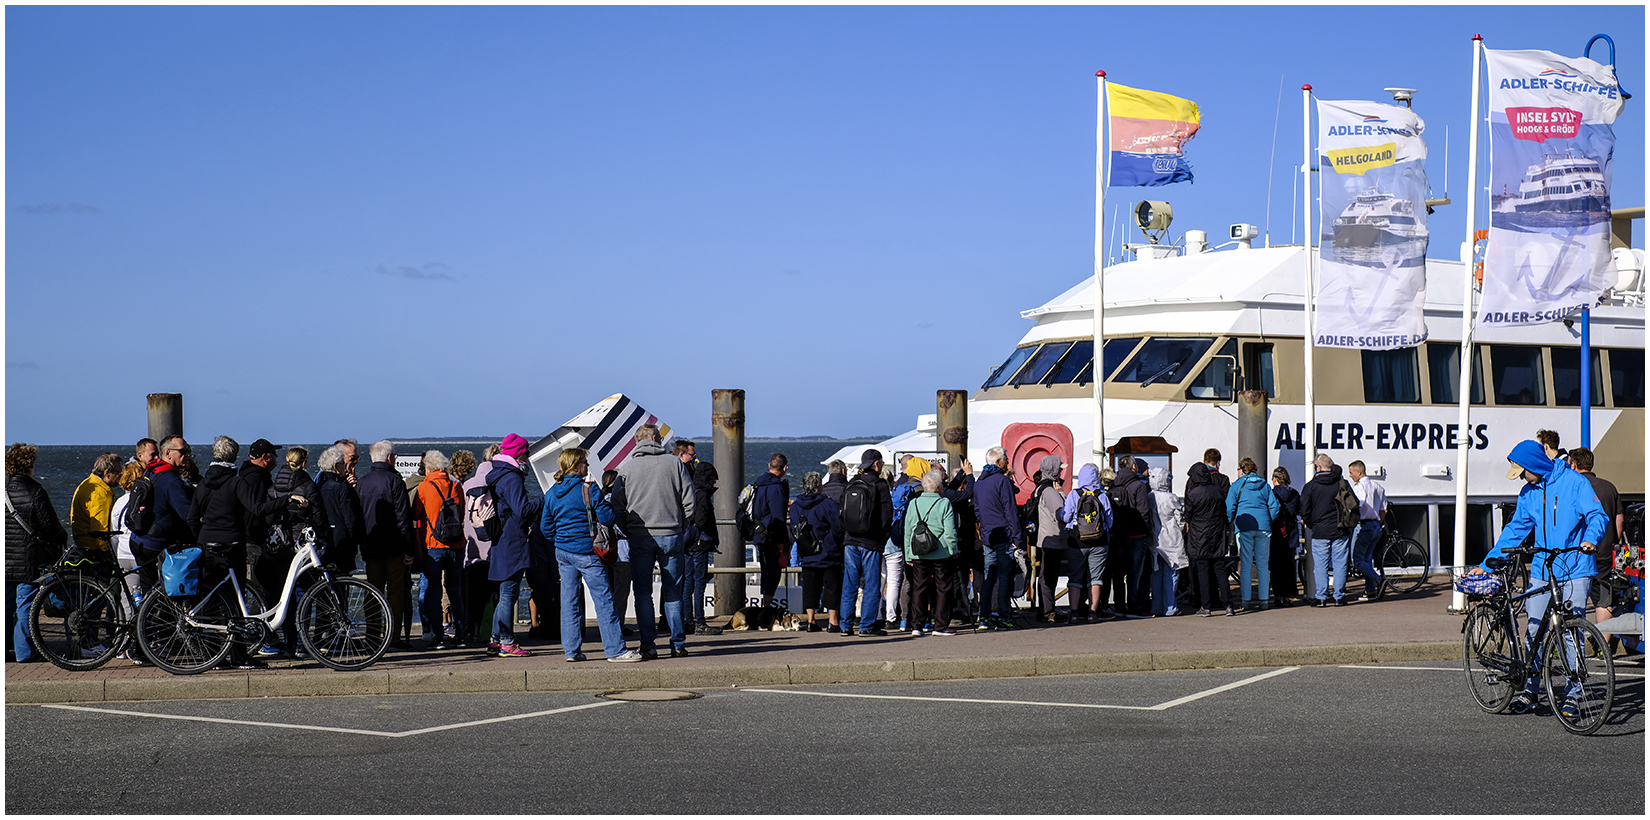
{"x":1229,"y":741}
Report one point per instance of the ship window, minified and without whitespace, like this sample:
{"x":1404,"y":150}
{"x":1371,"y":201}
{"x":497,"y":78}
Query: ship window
{"x":1041,"y":363}
{"x":1257,"y":368}
{"x":1002,"y":374}
{"x":1444,"y":372}
{"x":1076,"y":363}
{"x":1567,"y":377}
{"x":1627,"y":377}
{"x":1116,"y":351}
{"x":1392,"y":376}
{"x":1163,"y":360}
{"x":1215,"y":382}
{"x":1516,"y":373}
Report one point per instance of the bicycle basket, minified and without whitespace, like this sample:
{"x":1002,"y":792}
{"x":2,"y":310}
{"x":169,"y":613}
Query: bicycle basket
{"x":1486,"y":584}
{"x":181,"y":571}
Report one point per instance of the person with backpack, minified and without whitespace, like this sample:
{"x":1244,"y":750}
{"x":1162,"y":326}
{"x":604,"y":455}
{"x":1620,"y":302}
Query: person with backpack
{"x":1251,"y":507}
{"x":480,"y":518}
{"x":1324,"y":511}
{"x":930,"y":540}
{"x":1131,"y":506}
{"x":896,"y":586}
{"x":1087,"y":515}
{"x":816,"y":529}
{"x":1206,"y":525}
{"x":1002,"y":535}
{"x":1169,"y":539}
{"x":1044,"y":506}
{"x":158,"y":514}
{"x":438,"y":511}
{"x":572,"y":516}
{"x":768,"y":510}
{"x":512,"y":552}
{"x":34,"y":539}
{"x":867,"y":520}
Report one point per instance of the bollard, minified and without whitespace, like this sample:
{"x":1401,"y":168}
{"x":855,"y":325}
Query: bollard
{"x":952,"y":424}
{"x":1252,"y":430}
{"x":165,"y":415}
{"x":727,"y":435}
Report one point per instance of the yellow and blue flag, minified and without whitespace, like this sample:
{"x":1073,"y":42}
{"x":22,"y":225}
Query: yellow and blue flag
{"x":1149,"y":131}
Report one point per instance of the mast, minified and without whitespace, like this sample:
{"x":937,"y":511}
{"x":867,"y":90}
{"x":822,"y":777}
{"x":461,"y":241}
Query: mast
{"x":1311,"y":442}
{"x":1099,"y":376}
{"x":1458,"y":600}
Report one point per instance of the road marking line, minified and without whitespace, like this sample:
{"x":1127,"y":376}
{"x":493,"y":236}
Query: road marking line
{"x":338,"y":729}
{"x":1158,"y":708}
{"x":1447,"y":669}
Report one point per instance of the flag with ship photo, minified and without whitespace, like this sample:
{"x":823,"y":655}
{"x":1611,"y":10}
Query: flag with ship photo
{"x":1373,"y":240}
{"x":1550,"y":153}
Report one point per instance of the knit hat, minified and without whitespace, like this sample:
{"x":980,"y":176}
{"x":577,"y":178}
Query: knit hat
{"x":917,"y":467}
{"x":513,"y":446}
{"x":869,"y":458}
{"x":1529,"y":455}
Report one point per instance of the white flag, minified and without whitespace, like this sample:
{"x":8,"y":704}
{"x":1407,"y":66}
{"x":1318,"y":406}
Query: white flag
{"x":1550,"y":154}
{"x":1373,"y":240}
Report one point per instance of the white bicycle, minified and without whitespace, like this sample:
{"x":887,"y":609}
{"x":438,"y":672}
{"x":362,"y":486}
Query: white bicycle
{"x":343,"y":622}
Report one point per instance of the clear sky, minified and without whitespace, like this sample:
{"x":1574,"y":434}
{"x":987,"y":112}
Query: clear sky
{"x":366,"y":222}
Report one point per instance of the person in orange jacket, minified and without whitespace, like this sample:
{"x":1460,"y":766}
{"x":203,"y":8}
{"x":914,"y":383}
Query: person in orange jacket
{"x":443,"y":548}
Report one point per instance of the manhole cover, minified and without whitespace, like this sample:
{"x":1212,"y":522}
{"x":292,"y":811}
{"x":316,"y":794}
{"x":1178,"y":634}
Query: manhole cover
{"x":649,"y":694}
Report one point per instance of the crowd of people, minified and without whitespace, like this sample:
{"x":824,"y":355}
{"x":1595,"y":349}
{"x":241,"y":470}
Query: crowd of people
{"x":916,"y":550}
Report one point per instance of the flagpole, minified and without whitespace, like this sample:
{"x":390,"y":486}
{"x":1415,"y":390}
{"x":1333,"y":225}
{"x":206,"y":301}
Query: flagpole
{"x":1458,"y":600}
{"x":1311,"y":442}
{"x":1099,"y":375}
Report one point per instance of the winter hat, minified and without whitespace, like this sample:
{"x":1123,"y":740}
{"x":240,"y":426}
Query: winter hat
{"x":869,"y":458}
{"x":917,"y":467}
{"x":513,"y":446}
{"x":1050,"y":467}
{"x":1529,"y":455}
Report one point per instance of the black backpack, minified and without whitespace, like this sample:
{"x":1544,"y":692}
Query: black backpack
{"x":923,"y":540}
{"x":140,"y":510}
{"x":449,"y":523}
{"x":802,"y":532}
{"x":859,"y":507}
{"x":1028,"y":510}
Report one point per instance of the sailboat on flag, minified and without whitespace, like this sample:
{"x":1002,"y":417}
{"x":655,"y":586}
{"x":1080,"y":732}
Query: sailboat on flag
{"x":607,"y":431}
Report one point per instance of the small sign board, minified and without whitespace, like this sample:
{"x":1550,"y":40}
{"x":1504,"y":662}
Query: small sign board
{"x":407,"y":463}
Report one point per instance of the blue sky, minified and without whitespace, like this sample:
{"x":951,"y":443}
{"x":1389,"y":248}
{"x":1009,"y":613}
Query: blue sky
{"x":323,"y":222}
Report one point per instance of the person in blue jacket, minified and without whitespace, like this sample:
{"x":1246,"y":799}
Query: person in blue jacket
{"x":1560,"y":508}
{"x":1251,"y":506}
{"x":821,"y":568}
{"x":573,"y":508}
{"x":513,"y":552}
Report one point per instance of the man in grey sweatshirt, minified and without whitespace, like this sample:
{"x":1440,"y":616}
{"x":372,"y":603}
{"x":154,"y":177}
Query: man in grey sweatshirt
{"x":657,"y":495}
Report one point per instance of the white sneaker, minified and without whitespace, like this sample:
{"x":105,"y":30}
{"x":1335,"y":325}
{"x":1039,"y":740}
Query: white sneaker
{"x":629,"y":656}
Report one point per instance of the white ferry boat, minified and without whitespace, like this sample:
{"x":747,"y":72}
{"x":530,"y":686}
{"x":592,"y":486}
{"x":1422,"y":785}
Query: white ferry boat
{"x":1561,"y":183}
{"x":1374,"y":219}
{"x":1184,"y":332}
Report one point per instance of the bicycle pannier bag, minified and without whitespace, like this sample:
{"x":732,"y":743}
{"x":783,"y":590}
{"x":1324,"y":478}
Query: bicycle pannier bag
{"x":181,"y":571}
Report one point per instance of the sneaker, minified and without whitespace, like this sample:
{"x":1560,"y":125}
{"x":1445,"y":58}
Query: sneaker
{"x":847,"y":631}
{"x":1101,"y":616}
{"x":1364,"y":598}
{"x":628,"y":656}
{"x":707,"y":629}
{"x":679,"y":653}
{"x":689,"y":627}
{"x":946,"y":632}
{"x":1204,"y":613}
{"x":1230,"y":612}
{"x":650,"y":654}
{"x":880,"y":633}
{"x":1059,"y":617}
{"x":1340,"y":602}
{"x":916,"y":632}
{"x":270,"y":652}
{"x":512,"y":650}
{"x":576,"y":657}
{"x":435,"y":643}
{"x":1007,"y":623}
{"x":903,"y":626}
{"x":1524,"y":703}
{"x":1569,"y":711}
{"x":492,"y":649}
{"x":300,"y":654}
{"x":985,"y":625}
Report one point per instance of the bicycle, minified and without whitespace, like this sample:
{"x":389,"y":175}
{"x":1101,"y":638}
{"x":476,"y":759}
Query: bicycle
{"x":83,"y":614}
{"x":343,"y":622}
{"x":1572,"y":653}
{"x":1405,"y":566}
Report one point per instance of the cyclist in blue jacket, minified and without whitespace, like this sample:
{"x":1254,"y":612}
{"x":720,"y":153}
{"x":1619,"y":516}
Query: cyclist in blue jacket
{"x":1561,"y":509}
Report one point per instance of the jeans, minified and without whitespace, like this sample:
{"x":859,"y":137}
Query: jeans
{"x":999,"y":581}
{"x":861,"y":567}
{"x":574,"y":566}
{"x":1574,"y":592}
{"x":440,"y":563}
{"x":666,"y":551}
{"x":1163,"y":588}
{"x":893,"y":574}
{"x":22,"y":597}
{"x":698,"y":574}
{"x":1323,"y":550}
{"x":504,"y":615}
{"x":1255,"y":558}
{"x":1364,"y":540}
{"x":1140,"y":562}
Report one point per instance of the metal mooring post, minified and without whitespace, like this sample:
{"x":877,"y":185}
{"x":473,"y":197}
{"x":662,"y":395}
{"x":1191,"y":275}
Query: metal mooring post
{"x":1252,"y":430}
{"x":165,"y":415}
{"x":952,"y":406}
{"x":727,"y":435}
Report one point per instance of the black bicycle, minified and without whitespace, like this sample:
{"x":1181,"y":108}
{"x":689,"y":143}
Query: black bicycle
{"x":1568,"y":652}
{"x":84,"y":610}
{"x":1404,"y":563}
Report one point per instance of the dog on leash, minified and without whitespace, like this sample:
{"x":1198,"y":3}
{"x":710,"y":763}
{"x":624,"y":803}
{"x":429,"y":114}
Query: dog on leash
{"x":767,"y":619}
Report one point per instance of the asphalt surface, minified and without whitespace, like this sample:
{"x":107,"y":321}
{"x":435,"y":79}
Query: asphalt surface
{"x":1324,"y":739}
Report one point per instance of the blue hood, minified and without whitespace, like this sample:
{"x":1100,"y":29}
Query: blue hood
{"x":1530,"y":455}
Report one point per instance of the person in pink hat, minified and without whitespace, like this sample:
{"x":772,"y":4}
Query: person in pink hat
{"x":512,"y":553}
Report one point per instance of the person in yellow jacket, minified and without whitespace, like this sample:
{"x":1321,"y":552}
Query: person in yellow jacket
{"x":89,"y":511}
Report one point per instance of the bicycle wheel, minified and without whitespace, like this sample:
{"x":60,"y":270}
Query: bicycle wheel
{"x":172,"y":643}
{"x":77,"y":622}
{"x":1487,"y":653}
{"x":1578,"y":670}
{"x":344,"y":624}
{"x":1404,"y":565}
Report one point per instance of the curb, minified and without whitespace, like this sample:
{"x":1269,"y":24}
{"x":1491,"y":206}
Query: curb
{"x":598,"y":677}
